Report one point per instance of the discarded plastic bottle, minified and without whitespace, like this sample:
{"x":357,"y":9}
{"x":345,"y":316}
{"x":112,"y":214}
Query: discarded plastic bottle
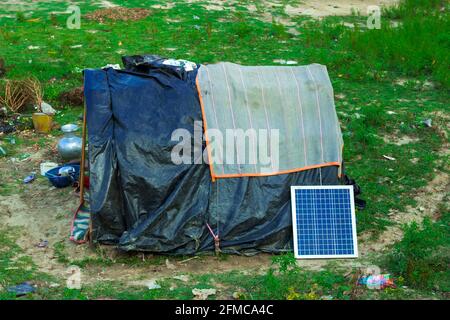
{"x":30,"y":178}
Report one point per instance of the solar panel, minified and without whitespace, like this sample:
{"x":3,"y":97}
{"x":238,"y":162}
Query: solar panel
{"x":324,"y":222}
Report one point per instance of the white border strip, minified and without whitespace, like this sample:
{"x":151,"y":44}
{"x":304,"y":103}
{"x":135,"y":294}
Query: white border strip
{"x":294,"y":224}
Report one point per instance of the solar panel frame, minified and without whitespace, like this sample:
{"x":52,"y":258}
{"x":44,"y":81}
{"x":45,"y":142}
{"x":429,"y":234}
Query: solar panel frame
{"x":295,"y":223}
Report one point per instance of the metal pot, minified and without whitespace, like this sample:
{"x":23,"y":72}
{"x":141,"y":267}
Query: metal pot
{"x":69,"y":147}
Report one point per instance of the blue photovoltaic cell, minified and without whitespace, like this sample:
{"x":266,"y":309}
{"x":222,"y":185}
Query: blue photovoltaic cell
{"x":324,"y":222}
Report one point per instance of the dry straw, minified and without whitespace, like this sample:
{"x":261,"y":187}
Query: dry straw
{"x":18,"y":93}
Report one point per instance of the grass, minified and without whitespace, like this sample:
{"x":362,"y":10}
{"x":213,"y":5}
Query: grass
{"x":375,"y":110}
{"x":277,"y":283}
{"x":422,"y":257}
{"x":284,"y":280}
{"x":15,"y":267}
{"x":20,"y":267}
{"x":417,"y":47}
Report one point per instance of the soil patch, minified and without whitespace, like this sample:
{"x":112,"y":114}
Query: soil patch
{"x":428,"y":200}
{"x":322,"y":8}
{"x":2,"y":68}
{"x":74,"y":97}
{"x":400,"y":141}
{"x":118,"y":14}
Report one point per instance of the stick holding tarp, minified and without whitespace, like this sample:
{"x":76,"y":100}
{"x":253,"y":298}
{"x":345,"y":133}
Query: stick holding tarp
{"x":83,"y":156}
{"x":82,"y":169}
{"x":82,"y":222}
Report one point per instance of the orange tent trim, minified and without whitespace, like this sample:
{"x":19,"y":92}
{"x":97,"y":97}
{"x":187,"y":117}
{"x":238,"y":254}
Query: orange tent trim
{"x":205,"y":128}
{"x":237,"y":175}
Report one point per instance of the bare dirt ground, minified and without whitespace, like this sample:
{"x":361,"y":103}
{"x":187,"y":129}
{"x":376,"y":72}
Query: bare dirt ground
{"x":314,"y":8}
{"x":335,"y":8}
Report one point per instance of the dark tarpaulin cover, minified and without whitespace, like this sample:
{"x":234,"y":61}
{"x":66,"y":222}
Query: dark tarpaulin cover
{"x":140,"y":200}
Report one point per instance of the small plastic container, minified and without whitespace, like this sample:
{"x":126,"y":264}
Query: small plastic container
{"x":42,"y":122}
{"x":46,"y":166}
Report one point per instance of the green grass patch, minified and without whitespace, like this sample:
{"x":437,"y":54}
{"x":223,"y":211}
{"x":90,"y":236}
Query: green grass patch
{"x":422,"y":257}
{"x":15,"y":267}
{"x":417,"y":45}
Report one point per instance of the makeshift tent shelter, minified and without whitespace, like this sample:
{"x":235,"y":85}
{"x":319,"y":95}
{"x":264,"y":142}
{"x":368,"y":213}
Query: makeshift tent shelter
{"x":141,"y":200}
